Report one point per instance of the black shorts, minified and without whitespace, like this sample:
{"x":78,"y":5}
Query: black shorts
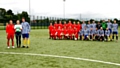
{"x":18,"y":33}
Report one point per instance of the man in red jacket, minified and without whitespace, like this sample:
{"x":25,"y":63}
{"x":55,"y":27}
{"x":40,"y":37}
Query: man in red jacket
{"x":50,"y":30}
{"x":10,"y":31}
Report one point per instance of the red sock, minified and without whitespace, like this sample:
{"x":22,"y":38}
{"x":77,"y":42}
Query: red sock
{"x":8,"y":42}
{"x":12,"y":42}
{"x":70,"y":37}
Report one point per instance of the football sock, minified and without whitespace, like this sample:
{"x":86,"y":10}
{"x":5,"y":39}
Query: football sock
{"x":110,"y":37}
{"x":90,"y":37}
{"x":102,"y":38}
{"x":12,"y":42}
{"x":113,"y":37}
{"x":28,"y":42}
{"x":24,"y":42}
{"x":82,"y":37}
{"x":8,"y":42}
{"x":116,"y":37}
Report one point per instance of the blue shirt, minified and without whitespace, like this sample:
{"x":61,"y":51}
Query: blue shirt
{"x":86,"y":32}
{"x":109,"y":25}
{"x":91,"y":32}
{"x":101,"y":32}
{"x":96,"y":32}
{"x":107,"y":32}
{"x":25,"y":27}
{"x":81,"y":32}
{"x":83,"y":26}
{"x":93,"y":26}
{"x":115,"y":27}
{"x":89,"y":26}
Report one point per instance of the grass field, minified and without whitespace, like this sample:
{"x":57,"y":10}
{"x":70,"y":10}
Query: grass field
{"x":40,"y":44}
{"x":2,"y":27}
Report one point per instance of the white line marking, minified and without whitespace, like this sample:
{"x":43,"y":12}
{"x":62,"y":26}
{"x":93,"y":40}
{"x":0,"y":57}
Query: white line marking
{"x":65,"y":57}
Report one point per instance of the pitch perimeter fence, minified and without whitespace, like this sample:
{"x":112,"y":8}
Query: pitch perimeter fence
{"x":42,"y":22}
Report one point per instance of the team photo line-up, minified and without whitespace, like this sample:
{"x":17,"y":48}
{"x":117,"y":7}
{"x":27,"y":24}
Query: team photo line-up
{"x":17,"y":30}
{"x":105,"y":31}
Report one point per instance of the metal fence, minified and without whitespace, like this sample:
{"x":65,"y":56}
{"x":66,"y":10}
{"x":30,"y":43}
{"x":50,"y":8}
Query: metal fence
{"x":42,"y":22}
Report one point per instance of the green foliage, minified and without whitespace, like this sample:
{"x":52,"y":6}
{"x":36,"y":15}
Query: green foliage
{"x":5,"y":16}
{"x":9,"y":12}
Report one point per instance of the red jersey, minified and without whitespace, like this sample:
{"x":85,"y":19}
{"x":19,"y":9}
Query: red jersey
{"x":50,"y":28}
{"x":10,"y":29}
{"x":65,"y":31}
{"x":60,"y":25}
{"x":76,"y":31}
{"x":79,"y":27}
{"x":59,"y":31}
{"x":69,"y":25}
{"x":64,"y":25}
{"x":56,"y":25}
{"x":70,"y":31}
{"x":74,"y":26}
{"x":53,"y":32}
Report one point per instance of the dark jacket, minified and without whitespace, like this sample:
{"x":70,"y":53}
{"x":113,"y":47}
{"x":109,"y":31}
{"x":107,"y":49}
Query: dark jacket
{"x":98,"y":26}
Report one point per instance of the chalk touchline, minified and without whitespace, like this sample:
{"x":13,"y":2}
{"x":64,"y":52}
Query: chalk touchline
{"x":67,"y":57}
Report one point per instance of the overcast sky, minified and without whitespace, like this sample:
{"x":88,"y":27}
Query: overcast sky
{"x":73,"y":8}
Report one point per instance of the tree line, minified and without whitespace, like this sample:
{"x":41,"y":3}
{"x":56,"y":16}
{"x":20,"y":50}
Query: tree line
{"x":6,"y":15}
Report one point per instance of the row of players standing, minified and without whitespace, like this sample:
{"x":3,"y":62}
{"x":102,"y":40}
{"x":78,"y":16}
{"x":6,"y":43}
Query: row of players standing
{"x":17,"y":30}
{"x":91,"y":31}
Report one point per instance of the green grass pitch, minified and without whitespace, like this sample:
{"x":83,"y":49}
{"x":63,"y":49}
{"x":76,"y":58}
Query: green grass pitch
{"x":40,"y":44}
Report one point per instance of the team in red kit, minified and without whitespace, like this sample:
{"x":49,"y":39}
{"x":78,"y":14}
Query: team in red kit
{"x":64,"y":31}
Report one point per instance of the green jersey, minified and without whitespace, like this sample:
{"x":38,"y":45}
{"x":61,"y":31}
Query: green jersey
{"x":104,"y":25}
{"x":17,"y":28}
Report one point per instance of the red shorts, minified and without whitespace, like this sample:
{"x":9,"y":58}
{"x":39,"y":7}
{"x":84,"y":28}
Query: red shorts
{"x":10,"y":36}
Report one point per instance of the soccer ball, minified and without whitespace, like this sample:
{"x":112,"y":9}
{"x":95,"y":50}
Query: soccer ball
{"x":75,"y":38}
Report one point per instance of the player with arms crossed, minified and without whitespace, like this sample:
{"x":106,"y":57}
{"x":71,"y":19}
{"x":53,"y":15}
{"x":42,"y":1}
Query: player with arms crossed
{"x":109,"y":26}
{"x":25,"y":33}
{"x":115,"y":30}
